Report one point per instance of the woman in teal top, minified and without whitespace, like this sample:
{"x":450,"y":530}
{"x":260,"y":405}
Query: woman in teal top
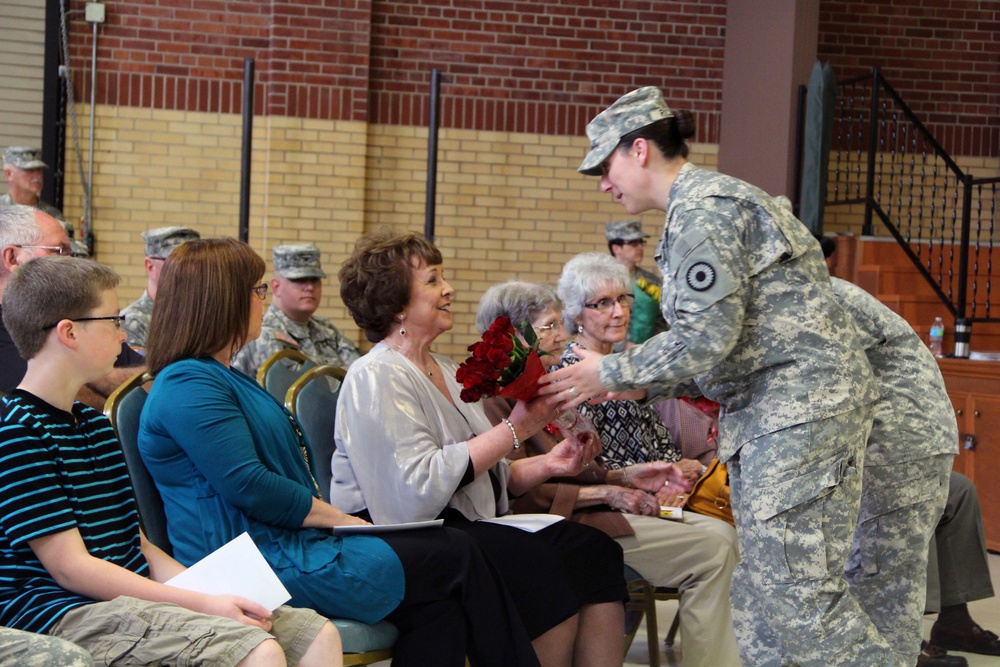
{"x":228,"y":458}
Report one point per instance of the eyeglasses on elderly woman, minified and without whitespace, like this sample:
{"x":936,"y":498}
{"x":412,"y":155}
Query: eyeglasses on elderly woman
{"x":607,"y":304}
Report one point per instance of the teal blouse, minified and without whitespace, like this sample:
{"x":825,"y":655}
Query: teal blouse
{"x":228,"y":458}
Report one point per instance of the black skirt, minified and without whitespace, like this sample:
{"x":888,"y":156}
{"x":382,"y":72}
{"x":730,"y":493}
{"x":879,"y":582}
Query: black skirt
{"x":552,"y":573}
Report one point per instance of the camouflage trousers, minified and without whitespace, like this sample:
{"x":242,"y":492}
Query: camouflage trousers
{"x":901,"y":505}
{"x":795,"y":496}
{"x":27,"y":649}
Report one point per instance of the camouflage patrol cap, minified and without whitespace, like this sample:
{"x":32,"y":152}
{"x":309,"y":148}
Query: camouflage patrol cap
{"x":630,"y":112}
{"x":628,"y":230}
{"x":160,"y":242}
{"x":297,"y":260}
{"x":23,"y":157}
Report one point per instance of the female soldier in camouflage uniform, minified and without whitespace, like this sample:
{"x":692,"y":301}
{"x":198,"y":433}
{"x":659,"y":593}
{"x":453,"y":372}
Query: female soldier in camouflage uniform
{"x":755,"y":326}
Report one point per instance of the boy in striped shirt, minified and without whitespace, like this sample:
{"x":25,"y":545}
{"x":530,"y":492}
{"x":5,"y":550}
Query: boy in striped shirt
{"x":73,"y":562}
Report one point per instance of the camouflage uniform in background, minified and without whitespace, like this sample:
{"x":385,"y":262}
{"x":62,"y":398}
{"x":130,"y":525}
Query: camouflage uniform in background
{"x":137,"y":317}
{"x":42,"y":206}
{"x":907,"y":469}
{"x":753,"y":319}
{"x":27,"y":649}
{"x":318,"y":339}
{"x":159,"y":243}
{"x":645,"y":307}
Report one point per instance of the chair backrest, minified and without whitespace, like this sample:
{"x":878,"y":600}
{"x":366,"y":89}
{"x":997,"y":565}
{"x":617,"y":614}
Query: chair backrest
{"x":123,"y":408}
{"x":313,"y":400}
{"x":281,"y":369}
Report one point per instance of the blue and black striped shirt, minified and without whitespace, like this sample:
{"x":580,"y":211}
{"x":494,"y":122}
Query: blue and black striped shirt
{"x":58,"y":471}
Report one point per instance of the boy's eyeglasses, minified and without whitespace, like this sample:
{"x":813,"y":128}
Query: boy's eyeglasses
{"x":260,"y":291}
{"x":607,"y":304}
{"x":119,"y":320}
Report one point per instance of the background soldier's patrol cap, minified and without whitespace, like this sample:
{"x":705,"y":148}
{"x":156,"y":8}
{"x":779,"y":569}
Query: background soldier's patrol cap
{"x":23,"y":157}
{"x":297,"y":260}
{"x":629,"y":230}
{"x":630,"y":112}
{"x":161,"y":241}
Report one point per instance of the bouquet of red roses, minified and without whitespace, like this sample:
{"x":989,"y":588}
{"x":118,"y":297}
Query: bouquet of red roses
{"x":501,"y":365}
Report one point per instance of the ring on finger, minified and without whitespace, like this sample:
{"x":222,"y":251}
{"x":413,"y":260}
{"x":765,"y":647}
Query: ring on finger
{"x":572,"y":390}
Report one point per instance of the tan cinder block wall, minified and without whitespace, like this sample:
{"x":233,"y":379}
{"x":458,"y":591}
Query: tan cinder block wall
{"x":509,"y":205}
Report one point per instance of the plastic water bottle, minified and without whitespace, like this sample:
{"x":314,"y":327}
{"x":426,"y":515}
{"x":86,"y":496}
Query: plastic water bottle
{"x":937,"y":336}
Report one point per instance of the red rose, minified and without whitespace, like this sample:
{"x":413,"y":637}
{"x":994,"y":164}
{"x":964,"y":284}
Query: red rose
{"x":469,"y":396}
{"x":498,"y":357}
{"x":505,"y":343}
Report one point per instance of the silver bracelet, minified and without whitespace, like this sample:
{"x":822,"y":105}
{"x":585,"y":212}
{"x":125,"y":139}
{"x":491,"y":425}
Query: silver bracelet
{"x":517,"y":443}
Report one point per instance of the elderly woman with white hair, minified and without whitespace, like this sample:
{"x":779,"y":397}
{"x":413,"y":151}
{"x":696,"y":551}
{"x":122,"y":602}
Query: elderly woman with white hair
{"x":696,"y":556}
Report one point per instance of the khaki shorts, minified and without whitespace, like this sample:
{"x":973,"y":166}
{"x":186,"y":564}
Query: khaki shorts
{"x":128,"y":631}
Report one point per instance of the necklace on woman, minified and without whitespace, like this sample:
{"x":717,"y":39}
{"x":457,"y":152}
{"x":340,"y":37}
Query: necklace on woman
{"x":399,"y":348}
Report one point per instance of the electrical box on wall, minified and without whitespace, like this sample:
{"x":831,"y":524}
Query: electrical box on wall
{"x":94,"y":12}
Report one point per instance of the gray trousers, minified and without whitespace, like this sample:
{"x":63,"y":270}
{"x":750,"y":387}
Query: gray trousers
{"x":901,"y":505}
{"x":795,"y":496}
{"x":957,"y":568}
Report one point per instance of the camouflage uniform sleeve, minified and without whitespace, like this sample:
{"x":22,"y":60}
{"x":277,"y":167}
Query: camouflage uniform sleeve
{"x":703,"y":299}
{"x":346,"y":350}
{"x":253,"y":355}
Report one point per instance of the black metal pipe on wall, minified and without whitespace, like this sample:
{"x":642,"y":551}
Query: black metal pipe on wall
{"x":53,"y":108}
{"x":247,"y":148}
{"x":432,"y":147}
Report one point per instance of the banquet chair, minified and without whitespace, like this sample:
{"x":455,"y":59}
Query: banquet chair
{"x":312,"y":399}
{"x":123,"y":408}
{"x":363,"y":644}
{"x":281,"y":369}
{"x":642,"y":602}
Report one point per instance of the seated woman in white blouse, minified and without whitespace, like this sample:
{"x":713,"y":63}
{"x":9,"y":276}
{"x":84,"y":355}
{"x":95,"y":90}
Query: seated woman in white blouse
{"x":409,"y":449}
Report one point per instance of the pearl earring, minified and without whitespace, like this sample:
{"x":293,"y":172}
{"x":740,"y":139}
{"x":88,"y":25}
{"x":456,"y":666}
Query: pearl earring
{"x":579,"y":328}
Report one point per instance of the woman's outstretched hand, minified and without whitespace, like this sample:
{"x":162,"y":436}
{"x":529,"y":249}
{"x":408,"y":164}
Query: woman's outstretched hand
{"x":576,"y":383}
{"x":654,"y":475}
{"x":571,"y":456}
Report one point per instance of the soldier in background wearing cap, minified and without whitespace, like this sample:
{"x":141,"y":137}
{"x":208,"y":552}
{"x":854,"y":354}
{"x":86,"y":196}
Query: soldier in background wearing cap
{"x":24,"y":171}
{"x":755,"y":326}
{"x":297,"y":287}
{"x":626,"y":241}
{"x":160,"y":242}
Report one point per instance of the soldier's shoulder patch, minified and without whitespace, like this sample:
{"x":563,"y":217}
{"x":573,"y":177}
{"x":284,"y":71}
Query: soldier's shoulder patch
{"x":700,"y":276}
{"x":703,"y":278}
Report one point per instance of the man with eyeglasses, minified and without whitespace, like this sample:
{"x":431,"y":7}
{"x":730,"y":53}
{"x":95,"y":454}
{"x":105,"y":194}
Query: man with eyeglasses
{"x":626,"y":243}
{"x":289,"y":322}
{"x":26,"y":233}
{"x":160,"y":243}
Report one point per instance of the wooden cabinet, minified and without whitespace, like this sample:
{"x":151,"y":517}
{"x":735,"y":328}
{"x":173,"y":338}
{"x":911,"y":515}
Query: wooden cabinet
{"x":974,"y":388}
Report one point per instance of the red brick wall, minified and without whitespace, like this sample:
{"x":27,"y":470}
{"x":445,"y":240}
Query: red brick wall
{"x":541,"y":66}
{"x":310,"y":60}
{"x":529,"y":66}
{"x":941,"y":56}
{"x":544,"y":67}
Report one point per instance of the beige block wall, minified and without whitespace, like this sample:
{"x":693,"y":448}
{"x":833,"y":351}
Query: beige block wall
{"x":509,"y":205}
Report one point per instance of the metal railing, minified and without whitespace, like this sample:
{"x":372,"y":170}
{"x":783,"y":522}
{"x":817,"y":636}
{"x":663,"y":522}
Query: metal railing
{"x":882,"y":156}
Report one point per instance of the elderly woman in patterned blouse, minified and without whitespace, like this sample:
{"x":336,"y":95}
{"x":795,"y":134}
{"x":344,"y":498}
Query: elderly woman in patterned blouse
{"x":696,"y":556}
